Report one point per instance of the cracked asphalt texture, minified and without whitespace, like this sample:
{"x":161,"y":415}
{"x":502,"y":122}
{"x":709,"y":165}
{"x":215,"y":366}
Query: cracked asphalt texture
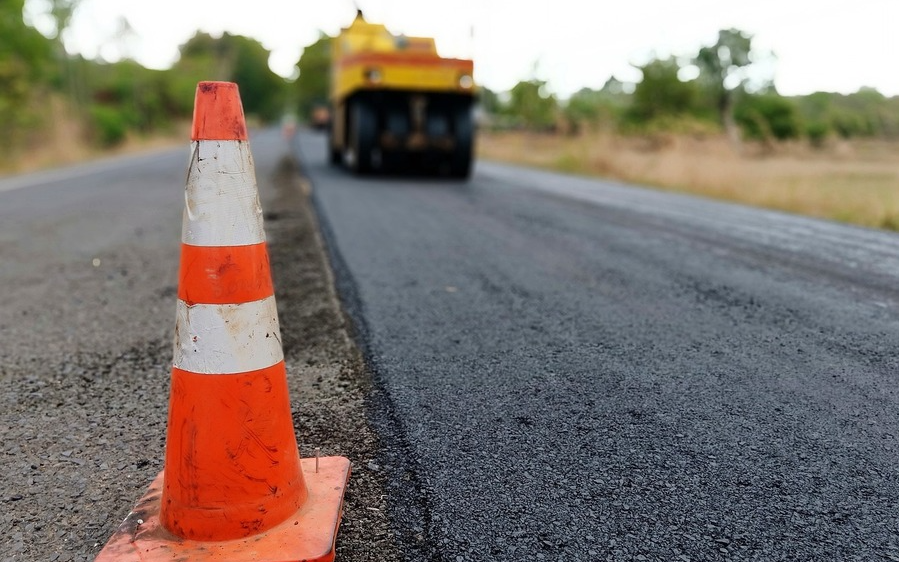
{"x":89,"y":264}
{"x":572,"y":369}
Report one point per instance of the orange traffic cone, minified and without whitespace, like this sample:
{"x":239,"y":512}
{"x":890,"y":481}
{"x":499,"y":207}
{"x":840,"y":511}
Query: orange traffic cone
{"x":234,"y":487}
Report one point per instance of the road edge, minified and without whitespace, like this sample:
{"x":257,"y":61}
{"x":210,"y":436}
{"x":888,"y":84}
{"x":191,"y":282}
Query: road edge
{"x":411,"y":519}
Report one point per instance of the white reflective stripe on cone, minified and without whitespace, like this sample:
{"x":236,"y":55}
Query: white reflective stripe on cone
{"x":220,"y":339}
{"x":221,"y":202}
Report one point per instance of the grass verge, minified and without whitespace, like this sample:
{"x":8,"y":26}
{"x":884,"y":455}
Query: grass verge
{"x":854,"y":182}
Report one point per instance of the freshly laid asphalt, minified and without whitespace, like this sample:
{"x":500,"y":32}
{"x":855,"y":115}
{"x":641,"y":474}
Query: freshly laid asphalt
{"x":571,"y":369}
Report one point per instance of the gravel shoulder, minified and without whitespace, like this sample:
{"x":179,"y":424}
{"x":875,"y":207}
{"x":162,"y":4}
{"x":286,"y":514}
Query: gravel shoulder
{"x":328,"y":378}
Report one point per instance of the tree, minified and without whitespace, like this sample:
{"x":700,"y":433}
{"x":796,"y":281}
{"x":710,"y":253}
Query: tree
{"x":69,"y":79}
{"x":237,"y":59}
{"x":722,"y":68}
{"x":21,"y":45}
{"x":262,"y":91}
{"x":205,"y":53}
{"x":313,"y":82}
{"x":661,"y":92}
{"x":532,"y":105}
{"x":25,"y":57}
{"x":488,"y":100}
{"x":583,"y":107}
{"x":62,"y":12}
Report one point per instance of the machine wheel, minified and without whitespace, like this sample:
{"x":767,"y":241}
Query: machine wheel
{"x":460,"y":161}
{"x":335,"y":156}
{"x":361,"y":154}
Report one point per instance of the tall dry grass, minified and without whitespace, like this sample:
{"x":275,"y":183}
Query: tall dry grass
{"x":63,"y":139}
{"x":855,"y":182}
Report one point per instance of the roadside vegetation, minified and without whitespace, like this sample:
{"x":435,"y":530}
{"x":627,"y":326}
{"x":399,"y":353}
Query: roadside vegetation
{"x":711,"y":123}
{"x":712,"y":126}
{"x":58,"y":108}
{"x":854,"y":181}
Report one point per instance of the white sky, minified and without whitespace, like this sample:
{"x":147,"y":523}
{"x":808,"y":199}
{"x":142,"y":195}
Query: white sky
{"x":832,"y":45}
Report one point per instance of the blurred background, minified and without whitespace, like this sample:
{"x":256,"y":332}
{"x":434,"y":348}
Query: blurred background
{"x":792,"y":106}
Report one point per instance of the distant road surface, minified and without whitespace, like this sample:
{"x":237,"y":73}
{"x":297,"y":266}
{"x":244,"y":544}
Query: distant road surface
{"x":572,"y":369}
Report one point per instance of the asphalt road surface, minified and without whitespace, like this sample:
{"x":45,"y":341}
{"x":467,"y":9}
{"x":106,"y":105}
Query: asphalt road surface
{"x":571,"y":369}
{"x":561,"y":368}
{"x":88,"y":262}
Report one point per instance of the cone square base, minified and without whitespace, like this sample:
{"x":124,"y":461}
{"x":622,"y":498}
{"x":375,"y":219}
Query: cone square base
{"x":308,"y":535}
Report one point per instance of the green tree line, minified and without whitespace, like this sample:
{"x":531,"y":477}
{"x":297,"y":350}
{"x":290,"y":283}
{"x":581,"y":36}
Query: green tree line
{"x":718,"y":97}
{"x":710,"y":91}
{"x":39,"y":82}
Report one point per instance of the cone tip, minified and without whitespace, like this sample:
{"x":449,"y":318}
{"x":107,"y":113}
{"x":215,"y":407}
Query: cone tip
{"x":218,"y":113}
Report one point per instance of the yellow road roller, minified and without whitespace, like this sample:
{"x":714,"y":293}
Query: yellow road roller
{"x":397,"y":105}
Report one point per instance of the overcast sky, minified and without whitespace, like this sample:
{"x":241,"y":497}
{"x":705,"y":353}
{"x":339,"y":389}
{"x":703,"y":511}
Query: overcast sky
{"x":832,"y":45}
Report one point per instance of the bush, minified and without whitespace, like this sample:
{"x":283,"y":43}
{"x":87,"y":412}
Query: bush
{"x":767,"y":116}
{"x":593,"y":108}
{"x":108,"y":124}
{"x":817,"y":132}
